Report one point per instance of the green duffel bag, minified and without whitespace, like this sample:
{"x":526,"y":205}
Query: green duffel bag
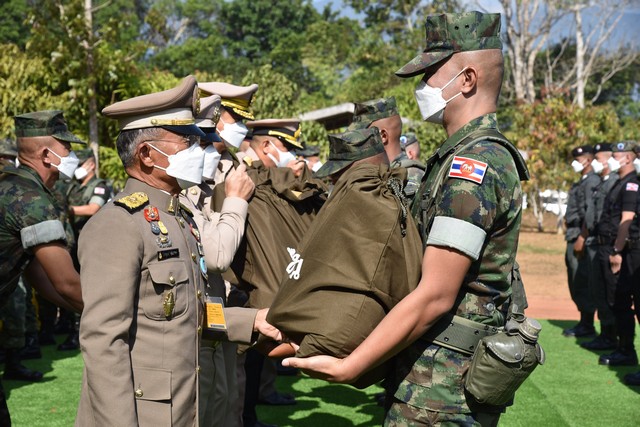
{"x":360,"y":257}
{"x":280,"y":213}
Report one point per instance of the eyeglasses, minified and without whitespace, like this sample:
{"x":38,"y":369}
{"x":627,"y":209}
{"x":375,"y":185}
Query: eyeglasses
{"x":189,"y":140}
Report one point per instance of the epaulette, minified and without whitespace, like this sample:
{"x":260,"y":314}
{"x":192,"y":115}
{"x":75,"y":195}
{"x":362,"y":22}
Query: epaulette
{"x":133,"y":201}
{"x":186,"y":209}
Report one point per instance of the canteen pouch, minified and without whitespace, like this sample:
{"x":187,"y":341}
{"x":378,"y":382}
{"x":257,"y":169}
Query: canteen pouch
{"x":499,"y":366}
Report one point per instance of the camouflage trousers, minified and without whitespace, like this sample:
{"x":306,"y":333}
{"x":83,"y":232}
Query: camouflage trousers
{"x":18,"y":318}
{"x":402,"y":415}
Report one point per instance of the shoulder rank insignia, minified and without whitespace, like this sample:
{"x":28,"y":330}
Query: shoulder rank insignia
{"x":186,"y":209}
{"x":469,"y":169}
{"x":133,"y":201}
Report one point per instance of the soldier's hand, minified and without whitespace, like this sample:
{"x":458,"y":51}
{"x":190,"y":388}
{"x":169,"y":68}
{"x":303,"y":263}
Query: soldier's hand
{"x":239,"y":184}
{"x":578,"y":247}
{"x":616,"y":262}
{"x":261,"y":325}
{"x":297,"y":166}
{"x":326,"y":368}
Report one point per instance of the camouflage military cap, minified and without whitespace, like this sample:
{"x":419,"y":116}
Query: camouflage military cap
{"x":602,"y":146}
{"x":449,"y":33}
{"x":44,"y":123}
{"x":408,"y":139}
{"x":622,"y":146}
{"x":84,"y":155}
{"x":368,"y":112}
{"x":308,"y":151}
{"x":172,"y":109}
{"x":583,"y":149}
{"x":348,"y":147}
{"x":8,"y":148}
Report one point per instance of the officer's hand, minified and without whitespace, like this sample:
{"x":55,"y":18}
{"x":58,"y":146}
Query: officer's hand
{"x":297,"y":166}
{"x":238,"y":184}
{"x":265,"y":328}
{"x":616,"y":262}
{"x":326,"y":368}
{"x":578,"y":247}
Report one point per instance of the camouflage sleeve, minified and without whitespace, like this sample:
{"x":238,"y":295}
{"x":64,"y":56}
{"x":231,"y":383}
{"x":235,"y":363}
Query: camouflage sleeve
{"x":101,"y":195}
{"x":469,"y":202}
{"x":37,"y":219}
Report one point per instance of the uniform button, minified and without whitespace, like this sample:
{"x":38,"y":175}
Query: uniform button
{"x":172,"y":280}
{"x":198,"y":369}
{"x":181,"y":221}
{"x":138,"y":393}
{"x":193,"y":256}
{"x":199,"y":294}
{"x":199,"y":329}
{"x":193,"y":191}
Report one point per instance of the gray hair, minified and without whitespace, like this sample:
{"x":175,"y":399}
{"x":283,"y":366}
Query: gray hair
{"x":128,"y":141}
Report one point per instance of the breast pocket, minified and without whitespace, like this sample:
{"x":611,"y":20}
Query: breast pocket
{"x":165,"y":293}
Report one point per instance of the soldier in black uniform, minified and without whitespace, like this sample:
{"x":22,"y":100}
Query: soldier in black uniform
{"x":607,"y":340}
{"x":619,"y":238}
{"x":578,"y":268}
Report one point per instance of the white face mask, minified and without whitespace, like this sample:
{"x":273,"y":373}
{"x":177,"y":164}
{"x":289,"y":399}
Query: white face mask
{"x":80,"y":173}
{"x":185,"y":166}
{"x":68,"y":164}
{"x":211,"y":160}
{"x":233,"y":133}
{"x":614,"y":165}
{"x":285,"y":157}
{"x":636,"y":165}
{"x":577,"y":166}
{"x":597,"y":166}
{"x":316,"y":166}
{"x":430,"y":100}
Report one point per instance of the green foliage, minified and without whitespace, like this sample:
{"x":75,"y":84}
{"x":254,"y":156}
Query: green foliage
{"x":111,"y":167}
{"x":549,"y":130}
{"x":26,"y":84}
{"x":276,"y":94}
{"x":12,"y":26}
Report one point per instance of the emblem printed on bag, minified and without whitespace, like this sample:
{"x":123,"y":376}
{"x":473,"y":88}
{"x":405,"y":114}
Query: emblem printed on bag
{"x":631,"y":186}
{"x":469,"y":169}
{"x":295,"y":265}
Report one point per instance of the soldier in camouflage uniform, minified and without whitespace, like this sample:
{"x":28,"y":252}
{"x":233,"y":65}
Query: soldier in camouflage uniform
{"x":31,"y":232}
{"x":383,"y":114}
{"x":469,"y":211}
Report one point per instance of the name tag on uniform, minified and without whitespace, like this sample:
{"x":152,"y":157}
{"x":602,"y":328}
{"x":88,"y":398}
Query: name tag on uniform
{"x":169,"y":253}
{"x":215,"y":324}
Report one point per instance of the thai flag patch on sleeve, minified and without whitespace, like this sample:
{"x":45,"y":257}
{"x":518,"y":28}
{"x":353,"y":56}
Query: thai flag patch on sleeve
{"x":469,"y":169}
{"x":632,"y":186}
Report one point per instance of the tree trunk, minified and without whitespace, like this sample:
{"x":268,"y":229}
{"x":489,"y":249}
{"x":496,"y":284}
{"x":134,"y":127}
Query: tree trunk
{"x":91,"y":81}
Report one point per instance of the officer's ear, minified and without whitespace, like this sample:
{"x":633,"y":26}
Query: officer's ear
{"x":143,"y":154}
{"x":44,"y":155}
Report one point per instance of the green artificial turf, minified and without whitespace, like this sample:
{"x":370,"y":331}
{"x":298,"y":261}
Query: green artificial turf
{"x":571,"y":389}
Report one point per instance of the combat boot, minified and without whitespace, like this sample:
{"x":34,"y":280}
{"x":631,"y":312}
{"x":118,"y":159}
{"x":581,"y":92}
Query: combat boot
{"x":632,"y":379}
{"x":625,"y":354}
{"x":14,"y":370}
{"x":71,"y":343}
{"x":607,"y":340}
{"x":31,"y":350}
{"x":584,"y":328}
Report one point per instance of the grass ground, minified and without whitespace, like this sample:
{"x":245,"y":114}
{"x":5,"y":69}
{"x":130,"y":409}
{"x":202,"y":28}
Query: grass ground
{"x":571,"y":389}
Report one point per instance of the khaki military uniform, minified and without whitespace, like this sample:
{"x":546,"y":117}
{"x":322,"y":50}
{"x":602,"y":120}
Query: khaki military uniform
{"x":222,"y":233}
{"x":140,"y":330}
